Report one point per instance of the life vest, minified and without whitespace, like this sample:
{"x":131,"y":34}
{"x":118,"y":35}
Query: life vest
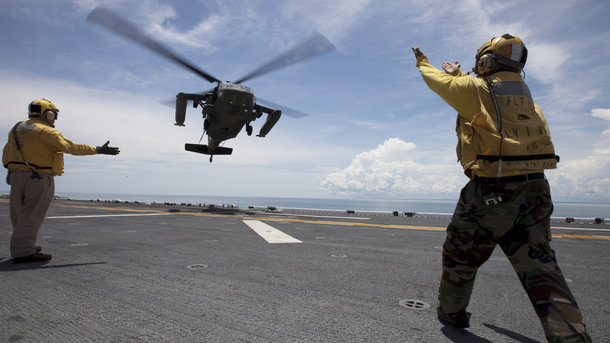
{"x":512,"y":130}
{"x":24,"y":151}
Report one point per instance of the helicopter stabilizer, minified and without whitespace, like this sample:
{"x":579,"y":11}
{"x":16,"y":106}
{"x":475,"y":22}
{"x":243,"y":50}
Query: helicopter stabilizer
{"x":203,"y":149}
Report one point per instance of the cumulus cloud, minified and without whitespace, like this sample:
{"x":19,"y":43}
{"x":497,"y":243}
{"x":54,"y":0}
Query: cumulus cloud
{"x":390,"y":168}
{"x":586,"y":177}
{"x":582,"y":179}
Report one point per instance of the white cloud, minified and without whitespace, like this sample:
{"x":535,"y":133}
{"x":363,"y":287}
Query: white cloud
{"x":197,"y":37}
{"x":368,"y":124}
{"x":334,"y":18}
{"x":582,"y":179}
{"x":545,"y":61}
{"x":390,"y":169}
{"x":603,"y":113}
{"x":586,"y":177}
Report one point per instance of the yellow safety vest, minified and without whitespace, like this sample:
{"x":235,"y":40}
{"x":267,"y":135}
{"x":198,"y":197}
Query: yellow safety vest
{"x":512,"y":130}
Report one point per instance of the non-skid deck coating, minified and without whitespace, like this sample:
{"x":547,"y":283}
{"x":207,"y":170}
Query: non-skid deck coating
{"x":144,"y":273}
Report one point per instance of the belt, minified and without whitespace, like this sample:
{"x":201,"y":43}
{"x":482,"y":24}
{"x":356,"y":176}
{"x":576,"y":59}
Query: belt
{"x":510,"y":179}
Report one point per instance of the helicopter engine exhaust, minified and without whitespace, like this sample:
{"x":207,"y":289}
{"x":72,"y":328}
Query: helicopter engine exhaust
{"x":181,"y":104}
{"x":272,"y":118}
{"x":180,"y":109}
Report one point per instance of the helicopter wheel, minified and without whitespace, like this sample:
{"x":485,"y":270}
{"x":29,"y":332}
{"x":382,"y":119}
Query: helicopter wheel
{"x":249,"y":129}
{"x":211,"y":158}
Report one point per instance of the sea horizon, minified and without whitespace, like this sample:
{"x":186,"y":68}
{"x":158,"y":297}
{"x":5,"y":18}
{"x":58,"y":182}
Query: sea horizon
{"x":440,"y":206}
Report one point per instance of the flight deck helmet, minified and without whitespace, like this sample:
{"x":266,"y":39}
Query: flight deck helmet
{"x":505,"y":52}
{"x":43,"y":108}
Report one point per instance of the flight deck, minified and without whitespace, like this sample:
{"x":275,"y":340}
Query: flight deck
{"x":135,"y":272}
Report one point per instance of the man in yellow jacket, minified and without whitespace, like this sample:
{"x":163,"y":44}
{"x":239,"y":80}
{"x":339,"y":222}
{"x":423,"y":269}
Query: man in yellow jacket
{"x":33,"y":155}
{"x":504,"y":146}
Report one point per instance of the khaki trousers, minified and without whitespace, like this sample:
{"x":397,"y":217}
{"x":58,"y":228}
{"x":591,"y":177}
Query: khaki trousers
{"x":29,"y":201}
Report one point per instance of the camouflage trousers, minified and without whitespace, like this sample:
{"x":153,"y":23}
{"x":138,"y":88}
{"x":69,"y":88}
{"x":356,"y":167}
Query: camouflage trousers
{"x":520,"y":225}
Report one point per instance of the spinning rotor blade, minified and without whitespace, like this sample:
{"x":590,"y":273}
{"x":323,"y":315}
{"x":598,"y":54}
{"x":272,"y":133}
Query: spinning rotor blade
{"x":285,"y":110}
{"x":114,"y":22}
{"x":316,"y":45}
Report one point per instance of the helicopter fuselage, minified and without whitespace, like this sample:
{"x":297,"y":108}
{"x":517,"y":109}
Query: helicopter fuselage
{"x":228,"y":109}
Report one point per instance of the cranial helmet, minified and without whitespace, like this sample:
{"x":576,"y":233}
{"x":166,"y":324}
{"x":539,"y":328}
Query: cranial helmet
{"x":508,"y":53}
{"x":42,"y":108}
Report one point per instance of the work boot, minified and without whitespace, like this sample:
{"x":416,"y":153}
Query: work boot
{"x":460,"y":320}
{"x":37,"y":257}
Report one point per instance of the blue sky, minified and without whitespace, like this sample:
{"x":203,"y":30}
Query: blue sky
{"x":374,"y":129}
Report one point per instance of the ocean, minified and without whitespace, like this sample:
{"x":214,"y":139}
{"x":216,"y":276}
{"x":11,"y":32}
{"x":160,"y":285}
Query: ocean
{"x":562,"y":209}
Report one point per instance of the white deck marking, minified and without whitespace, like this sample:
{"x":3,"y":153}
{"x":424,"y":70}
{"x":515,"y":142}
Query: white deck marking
{"x":576,"y":228}
{"x":110,"y":215}
{"x":317,"y":216}
{"x":269,"y":233}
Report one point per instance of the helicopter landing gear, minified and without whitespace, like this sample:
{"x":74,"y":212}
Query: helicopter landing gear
{"x":211,"y":158}
{"x":249,"y":129}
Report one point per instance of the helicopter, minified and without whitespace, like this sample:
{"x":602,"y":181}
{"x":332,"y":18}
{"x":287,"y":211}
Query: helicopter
{"x":229,"y":106}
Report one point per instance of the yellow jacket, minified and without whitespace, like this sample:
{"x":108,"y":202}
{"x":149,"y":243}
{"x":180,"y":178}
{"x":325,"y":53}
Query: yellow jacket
{"x":464,"y":93}
{"x":42,"y":147}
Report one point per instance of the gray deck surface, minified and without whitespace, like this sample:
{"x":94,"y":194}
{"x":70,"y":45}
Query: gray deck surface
{"x":138,"y":273}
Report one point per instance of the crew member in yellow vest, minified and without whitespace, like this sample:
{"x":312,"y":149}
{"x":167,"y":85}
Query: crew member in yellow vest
{"x":504,"y":146}
{"x":33,"y":155}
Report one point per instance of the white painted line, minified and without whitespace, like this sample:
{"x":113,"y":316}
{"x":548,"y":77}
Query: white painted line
{"x":269,"y":233}
{"x":316,"y":216}
{"x":577,"y":228}
{"x":110,"y":215}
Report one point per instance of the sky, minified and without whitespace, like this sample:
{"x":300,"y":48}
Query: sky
{"x":373,"y":130}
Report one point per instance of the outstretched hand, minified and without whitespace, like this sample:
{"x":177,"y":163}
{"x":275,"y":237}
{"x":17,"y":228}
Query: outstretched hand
{"x":451,"y":68}
{"x":416,"y":51}
{"x":107,"y":150}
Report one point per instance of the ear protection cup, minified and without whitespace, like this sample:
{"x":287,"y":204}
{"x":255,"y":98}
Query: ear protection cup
{"x":486,"y":65}
{"x":50,"y":115}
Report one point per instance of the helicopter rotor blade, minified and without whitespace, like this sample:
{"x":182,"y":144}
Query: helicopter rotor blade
{"x":285,"y":110}
{"x":316,"y":45}
{"x":113,"y":22}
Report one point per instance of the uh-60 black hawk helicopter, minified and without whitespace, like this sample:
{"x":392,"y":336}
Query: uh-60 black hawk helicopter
{"x":229,"y":106}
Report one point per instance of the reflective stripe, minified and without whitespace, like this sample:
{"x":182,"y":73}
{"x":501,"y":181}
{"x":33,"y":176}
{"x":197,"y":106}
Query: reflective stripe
{"x":515,"y":53}
{"x":512,"y":88}
{"x":25,"y":127}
